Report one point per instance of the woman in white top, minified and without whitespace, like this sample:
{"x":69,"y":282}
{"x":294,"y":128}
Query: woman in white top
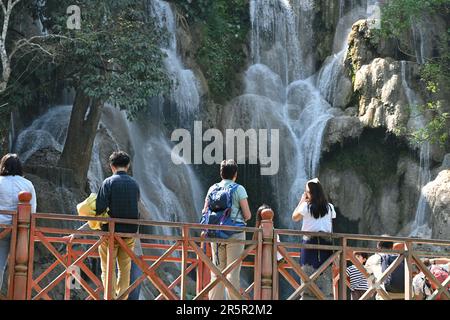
{"x":317,"y":215}
{"x":11,"y":183}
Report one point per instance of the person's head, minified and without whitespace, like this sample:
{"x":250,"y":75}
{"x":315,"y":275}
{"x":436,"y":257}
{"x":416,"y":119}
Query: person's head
{"x":385,"y":244}
{"x":315,"y":196}
{"x":119,"y":161}
{"x":361,"y":256}
{"x":228,"y":169}
{"x":258,"y":214}
{"x":10,"y":165}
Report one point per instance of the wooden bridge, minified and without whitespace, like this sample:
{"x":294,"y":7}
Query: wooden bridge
{"x":188,"y":255}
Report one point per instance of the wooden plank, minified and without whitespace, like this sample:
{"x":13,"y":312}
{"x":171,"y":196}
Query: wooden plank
{"x":313,"y":287}
{"x":225,"y":272}
{"x":314,"y":276}
{"x":342,"y":289}
{"x":214,"y":269}
{"x":151,"y":275}
{"x":184,"y":256}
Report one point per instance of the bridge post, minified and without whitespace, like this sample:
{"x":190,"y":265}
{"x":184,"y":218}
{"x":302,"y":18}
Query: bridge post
{"x":22,"y":246}
{"x":267,"y":255}
{"x":203,"y":273}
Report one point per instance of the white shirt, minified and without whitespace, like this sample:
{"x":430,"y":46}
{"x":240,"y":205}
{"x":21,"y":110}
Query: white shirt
{"x":311,"y":224}
{"x":10,"y":186}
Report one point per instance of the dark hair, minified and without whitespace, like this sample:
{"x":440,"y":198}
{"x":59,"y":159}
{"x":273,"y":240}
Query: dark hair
{"x":365,"y":255}
{"x":119,"y":159}
{"x":385,"y":244}
{"x":318,"y":204}
{"x":10,"y":165}
{"x":228,"y":169}
{"x":258,"y":214}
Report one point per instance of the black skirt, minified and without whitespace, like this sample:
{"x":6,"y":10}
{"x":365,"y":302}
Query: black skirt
{"x":315,"y":257}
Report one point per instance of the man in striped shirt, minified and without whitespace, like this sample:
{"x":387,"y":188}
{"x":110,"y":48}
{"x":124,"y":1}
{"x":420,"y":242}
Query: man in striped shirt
{"x":358,"y":283}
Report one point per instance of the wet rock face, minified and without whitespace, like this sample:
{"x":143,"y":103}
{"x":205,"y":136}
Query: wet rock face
{"x":437,"y":193}
{"x":361,"y":51}
{"x":340,"y":128}
{"x":370,"y":211}
{"x":373,"y":185}
{"x":382,"y":101}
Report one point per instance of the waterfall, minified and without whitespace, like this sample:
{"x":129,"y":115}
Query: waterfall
{"x":419,"y":39}
{"x":420,"y":226}
{"x":169,"y":192}
{"x":283,"y":90}
{"x":275,"y":38}
{"x":47,"y":131}
{"x":185,"y":95}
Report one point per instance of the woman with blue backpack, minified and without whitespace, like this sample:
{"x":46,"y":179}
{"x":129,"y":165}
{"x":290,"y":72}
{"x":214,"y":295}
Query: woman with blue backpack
{"x":226,"y":204}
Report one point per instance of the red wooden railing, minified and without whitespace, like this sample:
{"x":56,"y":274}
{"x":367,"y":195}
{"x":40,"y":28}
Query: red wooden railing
{"x":46,"y":263}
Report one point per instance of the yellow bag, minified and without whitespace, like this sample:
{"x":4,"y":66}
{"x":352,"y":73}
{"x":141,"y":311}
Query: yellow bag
{"x":87,"y":209}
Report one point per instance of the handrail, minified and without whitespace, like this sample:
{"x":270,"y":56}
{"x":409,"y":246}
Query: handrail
{"x":361,"y":236}
{"x":66,"y":217}
{"x":186,"y":250}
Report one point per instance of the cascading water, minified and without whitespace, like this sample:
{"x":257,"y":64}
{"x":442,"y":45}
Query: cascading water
{"x":420,"y":226}
{"x":169,"y":192}
{"x":48,"y":131}
{"x":421,"y":40}
{"x":185,"y":94}
{"x":282,"y":77}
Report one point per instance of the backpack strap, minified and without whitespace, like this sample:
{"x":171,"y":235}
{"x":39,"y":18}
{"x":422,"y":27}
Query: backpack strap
{"x":233,"y":187}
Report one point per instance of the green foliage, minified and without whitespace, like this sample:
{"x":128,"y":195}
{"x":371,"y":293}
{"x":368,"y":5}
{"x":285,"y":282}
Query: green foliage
{"x":397,"y":15}
{"x":224,"y":25}
{"x":397,"y":19}
{"x":31,"y":67}
{"x":114,"y":57}
{"x":436,"y":131}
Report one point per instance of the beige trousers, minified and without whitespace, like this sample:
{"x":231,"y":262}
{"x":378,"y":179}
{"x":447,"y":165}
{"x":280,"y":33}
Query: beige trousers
{"x":123,"y":265}
{"x":224,"y":254}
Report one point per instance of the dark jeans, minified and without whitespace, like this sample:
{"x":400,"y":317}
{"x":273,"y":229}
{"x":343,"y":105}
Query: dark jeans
{"x":314,"y":257}
{"x":356,"y":294}
{"x":135,"y":273}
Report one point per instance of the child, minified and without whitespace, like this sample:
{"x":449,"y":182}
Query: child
{"x":358,"y":283}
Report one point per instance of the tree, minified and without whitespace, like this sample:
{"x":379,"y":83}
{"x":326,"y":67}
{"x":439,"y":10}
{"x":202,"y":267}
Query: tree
{"x":21,"y":55}
{"x":113,"y":58}
{"x":7,"y":9}
{"x":397,"y":19}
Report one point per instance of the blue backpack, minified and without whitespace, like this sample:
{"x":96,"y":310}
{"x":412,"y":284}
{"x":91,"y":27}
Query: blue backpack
{"x":220,"y":201}
{"x":395,"y":282}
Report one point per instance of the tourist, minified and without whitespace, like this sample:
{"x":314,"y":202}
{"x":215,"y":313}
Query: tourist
{"x":135,"y":272}
{"x":12,"y":183}
{"x":358,"y":283}
{"x":120,"y":194}
{"x":377,"y":264}
{"x":423,"y":288}
{"x":317,"y":215}
{"x":226,"y":253}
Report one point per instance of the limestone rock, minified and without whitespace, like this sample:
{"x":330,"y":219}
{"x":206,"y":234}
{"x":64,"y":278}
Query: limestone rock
{"x":361,"y":51}
{"x":340,"y":128}
{"x":437,"y":193}
{"x":383,"y":101}
{"x":362,"y":209}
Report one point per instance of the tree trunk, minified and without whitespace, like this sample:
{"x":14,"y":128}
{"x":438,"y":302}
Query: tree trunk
{"x":81,"y":133}
{"x":5,"y":124}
